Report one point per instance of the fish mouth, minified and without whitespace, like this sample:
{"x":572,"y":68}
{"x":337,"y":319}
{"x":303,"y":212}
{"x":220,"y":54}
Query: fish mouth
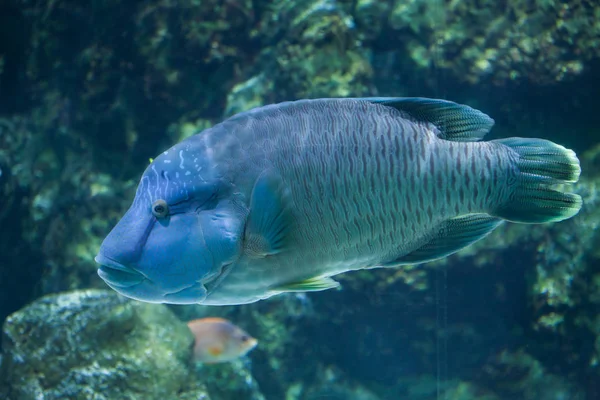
{"x":251,"y":344}
{"x":116,"y":274}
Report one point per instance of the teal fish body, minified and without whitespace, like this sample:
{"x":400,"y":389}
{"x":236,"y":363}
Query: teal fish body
{"x":283,"y":197}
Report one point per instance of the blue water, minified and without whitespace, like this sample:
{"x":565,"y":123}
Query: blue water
{"x":90,"y":92}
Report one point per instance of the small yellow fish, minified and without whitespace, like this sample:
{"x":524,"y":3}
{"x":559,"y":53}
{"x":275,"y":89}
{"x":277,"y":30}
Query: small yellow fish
{"x":218,"y":340}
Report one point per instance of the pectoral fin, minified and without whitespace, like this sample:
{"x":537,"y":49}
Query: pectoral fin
{"x":451,"y":236}
{"x":270,"y":218}
{"x":309,"y":285}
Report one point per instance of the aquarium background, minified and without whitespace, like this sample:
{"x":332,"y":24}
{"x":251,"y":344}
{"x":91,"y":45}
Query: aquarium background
{"x":90,"y":91}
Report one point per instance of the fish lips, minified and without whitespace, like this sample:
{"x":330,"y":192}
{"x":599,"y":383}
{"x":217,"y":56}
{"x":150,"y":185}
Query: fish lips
{"x":117,"y":275}
{"x":252,"y":342}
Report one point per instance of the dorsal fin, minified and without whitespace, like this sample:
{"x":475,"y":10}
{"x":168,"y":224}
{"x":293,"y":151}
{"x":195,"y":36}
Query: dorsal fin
{"x":456,"y":122}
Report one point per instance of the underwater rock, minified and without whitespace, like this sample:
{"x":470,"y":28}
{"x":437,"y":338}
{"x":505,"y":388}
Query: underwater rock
{"x":231,"y":380}
{"x":97,"y":344}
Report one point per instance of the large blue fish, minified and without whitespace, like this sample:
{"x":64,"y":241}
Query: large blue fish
{"x":282,"y":197}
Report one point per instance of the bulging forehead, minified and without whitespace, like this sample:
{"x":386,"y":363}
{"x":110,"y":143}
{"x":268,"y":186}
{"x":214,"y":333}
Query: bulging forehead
{"x":175,"y":174}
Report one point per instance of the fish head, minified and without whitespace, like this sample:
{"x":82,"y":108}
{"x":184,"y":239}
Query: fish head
{"x":244,"y":341}
{"x":237,"y":342}
{"x":179,"y":234}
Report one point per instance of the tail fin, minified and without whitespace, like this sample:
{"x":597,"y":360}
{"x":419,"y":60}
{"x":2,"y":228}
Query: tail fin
{"x":536,"y":198}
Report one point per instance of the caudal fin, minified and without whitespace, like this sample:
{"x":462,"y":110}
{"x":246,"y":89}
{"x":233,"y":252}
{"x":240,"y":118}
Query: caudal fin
{"x":536,"y":198}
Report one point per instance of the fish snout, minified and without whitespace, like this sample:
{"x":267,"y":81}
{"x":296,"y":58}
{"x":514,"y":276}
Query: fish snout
{"x":125,"y":242}
{"x":251,"y":343}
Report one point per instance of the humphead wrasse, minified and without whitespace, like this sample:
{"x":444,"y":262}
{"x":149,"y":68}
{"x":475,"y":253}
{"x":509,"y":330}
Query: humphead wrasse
{"x":283,"y":197}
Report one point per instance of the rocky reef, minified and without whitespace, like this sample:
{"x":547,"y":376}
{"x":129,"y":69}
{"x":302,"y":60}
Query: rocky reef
{"x":95,"y":344}
{"x":88,"y":93}
{"x":543,"y":41}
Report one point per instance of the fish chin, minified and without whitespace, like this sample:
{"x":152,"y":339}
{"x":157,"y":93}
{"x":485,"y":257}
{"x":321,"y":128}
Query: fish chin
{"x":142,"y":291}
{"x":192,"y":294}
{"x":133,"y":284}
{"x":147,"y":292}
{"x":250,"y":345}
{"x":118,"y":278}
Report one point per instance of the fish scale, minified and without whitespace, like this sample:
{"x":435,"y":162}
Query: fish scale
{"x":370,"y":237}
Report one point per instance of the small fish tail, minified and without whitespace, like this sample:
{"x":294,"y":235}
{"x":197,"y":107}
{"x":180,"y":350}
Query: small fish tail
{"x":537,"y":196}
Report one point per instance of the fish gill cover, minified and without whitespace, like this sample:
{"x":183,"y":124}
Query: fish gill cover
{"x":90,"y":91}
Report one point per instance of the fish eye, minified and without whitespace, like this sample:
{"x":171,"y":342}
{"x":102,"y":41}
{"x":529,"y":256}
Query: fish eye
{"x":160,"y":209}
{"x":245,"y":338}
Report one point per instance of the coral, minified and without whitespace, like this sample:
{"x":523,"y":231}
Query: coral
{"x":319,"y":55}
{"x":232,"y":380}
{"x":543,"y":41}
{"x":112,"y":87}
{"x":518,"y":375}
{"x":20,"y":262}
{"x":95,"y":344}
{"x":59,"y":203}
{"x":249,"y":94}
{"x":431,"y":387}
{"x":330,"y":384}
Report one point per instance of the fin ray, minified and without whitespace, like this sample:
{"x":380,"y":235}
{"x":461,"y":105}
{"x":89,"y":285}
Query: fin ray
{"x":308,"y":285}
{"x":270,"y":217}
{"x":456,"y":122}
{"x":542,"y":164}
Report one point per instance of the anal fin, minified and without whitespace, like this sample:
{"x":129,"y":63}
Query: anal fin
{"x":451,"y":236}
